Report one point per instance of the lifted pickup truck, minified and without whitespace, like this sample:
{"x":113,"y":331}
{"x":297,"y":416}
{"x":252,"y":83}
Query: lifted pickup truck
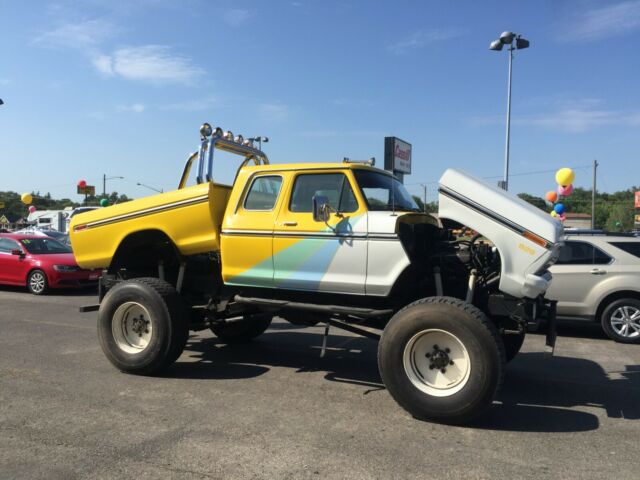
{"x":343,"y":244}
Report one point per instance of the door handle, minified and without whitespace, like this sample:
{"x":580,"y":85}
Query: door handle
{"x":289,"y":224}
{"x":597,"y":271}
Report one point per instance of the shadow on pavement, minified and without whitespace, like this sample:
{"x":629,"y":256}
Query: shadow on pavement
{"x":538,"y":395}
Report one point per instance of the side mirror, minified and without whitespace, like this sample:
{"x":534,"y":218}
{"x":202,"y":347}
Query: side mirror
{"x":321,"y":209}
{"x":17,"y":251}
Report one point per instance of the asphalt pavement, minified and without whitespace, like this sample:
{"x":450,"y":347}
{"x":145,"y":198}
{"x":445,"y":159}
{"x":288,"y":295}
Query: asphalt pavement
{"x":274,"y":409}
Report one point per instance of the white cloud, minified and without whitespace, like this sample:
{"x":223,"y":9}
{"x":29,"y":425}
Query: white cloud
{"x":78,"y":35}
{"x":422,"y":38}
{"x":604,"y":22}
{"x":152,"y":63}
{"x":237,"y":16}
{"x":273,"y":112}
{"x":133,"y":108}
{"x":579,"y":117}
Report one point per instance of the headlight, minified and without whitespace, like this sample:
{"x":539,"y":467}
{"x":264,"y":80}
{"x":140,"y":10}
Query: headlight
{"x":65,"y":268}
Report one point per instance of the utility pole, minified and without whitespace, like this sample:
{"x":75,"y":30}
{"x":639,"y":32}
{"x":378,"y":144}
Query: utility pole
{"x":424,"y":197}
{"x":104,"y":184}
{"x":593,"y":196}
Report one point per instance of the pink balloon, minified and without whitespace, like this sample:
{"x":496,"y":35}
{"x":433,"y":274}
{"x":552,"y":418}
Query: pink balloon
{"x":32,"y":209}
{"x":565,"y":191}
{"x":562,"y":217}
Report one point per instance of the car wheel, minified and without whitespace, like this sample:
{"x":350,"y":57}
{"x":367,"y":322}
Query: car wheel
{"x":441,"y":359}
{"x":142,"y":325}
{"x":240,"y":331}
{"x":37,"y":282}
{"x":621,"y":320}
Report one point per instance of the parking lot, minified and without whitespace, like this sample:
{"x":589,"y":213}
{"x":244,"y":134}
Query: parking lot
{"x":275,"y":409}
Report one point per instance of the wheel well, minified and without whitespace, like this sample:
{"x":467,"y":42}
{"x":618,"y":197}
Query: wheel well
{"x":140,"y":252}
{"x":613,"y":297}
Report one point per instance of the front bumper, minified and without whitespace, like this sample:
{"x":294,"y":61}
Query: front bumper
{"x":534,"y":315}
{"x":77,"y":279}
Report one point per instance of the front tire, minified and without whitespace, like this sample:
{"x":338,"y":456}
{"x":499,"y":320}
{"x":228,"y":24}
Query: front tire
{"x":142,"y":325}
{"x":621,"y":320}
{"x":441,"y":359}
{"x":37,"y":282}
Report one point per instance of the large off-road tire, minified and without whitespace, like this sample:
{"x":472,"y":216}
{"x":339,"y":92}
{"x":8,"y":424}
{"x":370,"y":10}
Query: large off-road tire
{"x":512,"y":344}
{"x":142,"y":325}
{"x":240,"y":331}
{"x":37,"y":282}
{"x":441,"y":359}
{"x":621,"y":320}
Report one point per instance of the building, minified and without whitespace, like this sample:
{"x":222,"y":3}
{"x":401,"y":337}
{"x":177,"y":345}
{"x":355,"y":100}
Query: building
{"x":577,"y":220}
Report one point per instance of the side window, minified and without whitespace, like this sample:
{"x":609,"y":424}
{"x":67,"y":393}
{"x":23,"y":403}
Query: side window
{"x":582,"y":253}
{"x":263,"y":193}
{"x":630,"y":247}
{"x":334,"y":186}
{"x":6,"y":245}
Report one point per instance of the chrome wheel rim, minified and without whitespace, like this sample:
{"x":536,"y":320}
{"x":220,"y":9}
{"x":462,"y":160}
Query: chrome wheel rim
{"x":131,"y":327}
{"x":37,"y":282}
{"x":437,"y":362}
{"x":625,"y":321}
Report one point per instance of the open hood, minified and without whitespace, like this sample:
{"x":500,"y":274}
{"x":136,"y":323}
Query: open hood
{"x":527,"y":238}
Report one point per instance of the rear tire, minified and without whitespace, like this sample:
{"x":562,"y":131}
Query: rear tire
{"x":441,"y":359}
{"x":142,"y":325}
{"x":621,"y":320}
{"x":245,"y":330}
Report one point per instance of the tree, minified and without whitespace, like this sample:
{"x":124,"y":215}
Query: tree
{"x":620,"y":218}
{"x":535,"y":201}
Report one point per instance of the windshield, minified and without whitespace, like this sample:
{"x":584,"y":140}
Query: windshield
{"x":43,"y":246}
{"x":384,"y":192}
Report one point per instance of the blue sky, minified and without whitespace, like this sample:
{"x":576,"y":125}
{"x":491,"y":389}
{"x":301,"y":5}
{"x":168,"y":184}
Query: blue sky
{"x":93,"y":87}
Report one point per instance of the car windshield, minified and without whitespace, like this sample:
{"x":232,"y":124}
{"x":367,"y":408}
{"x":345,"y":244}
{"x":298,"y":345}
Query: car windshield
{"x":384,"y":192}
{"x":43,"y":246}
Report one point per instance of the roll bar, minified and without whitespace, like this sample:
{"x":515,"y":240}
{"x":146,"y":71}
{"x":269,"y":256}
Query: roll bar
{"x":225,"y":141}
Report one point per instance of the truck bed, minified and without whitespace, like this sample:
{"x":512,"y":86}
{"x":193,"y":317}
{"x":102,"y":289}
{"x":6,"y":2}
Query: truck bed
{"x":191,"y":217}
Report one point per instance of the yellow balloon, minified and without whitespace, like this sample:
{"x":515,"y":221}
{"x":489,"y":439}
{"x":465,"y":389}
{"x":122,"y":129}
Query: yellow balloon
{"x":554,"y":213}
{"x":565,"y":176}
{"x":26,"y":198}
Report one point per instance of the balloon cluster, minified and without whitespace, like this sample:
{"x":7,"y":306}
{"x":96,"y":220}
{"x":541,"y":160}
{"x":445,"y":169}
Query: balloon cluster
{"x":564,"y":179}
{"x":27,"y":199}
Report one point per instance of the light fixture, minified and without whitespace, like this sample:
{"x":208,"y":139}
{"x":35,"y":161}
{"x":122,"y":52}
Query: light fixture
{"x":205,"y":130}
{"x":239,"y":139}
{"x":496,"y":45}
{"x":507,"y":37}
{"x":228,"y":135}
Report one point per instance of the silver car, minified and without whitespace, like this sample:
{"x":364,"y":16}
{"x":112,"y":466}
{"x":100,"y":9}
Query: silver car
{"x":597,"y":278}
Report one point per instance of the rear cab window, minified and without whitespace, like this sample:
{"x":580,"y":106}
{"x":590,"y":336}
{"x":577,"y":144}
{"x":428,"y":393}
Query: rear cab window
{"x":263,"y":193}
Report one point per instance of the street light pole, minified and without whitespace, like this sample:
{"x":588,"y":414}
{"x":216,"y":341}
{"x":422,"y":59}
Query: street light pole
{"x":104,"y":183}
{"x":506,"y":148}
{"x":507,"y":38}
{"x":150,"y":188}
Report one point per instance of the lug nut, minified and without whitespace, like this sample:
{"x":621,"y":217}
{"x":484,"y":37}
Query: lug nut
{"x":447,"y":350}
{"x":428,"y":355}
{"x":450,"y":362}
{"x":435,"y":347}
{"x":443,"y":370}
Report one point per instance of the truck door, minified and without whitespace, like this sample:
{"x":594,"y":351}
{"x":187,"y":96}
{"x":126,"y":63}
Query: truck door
{"x":247,"y":235}
{"x":315,"y":256}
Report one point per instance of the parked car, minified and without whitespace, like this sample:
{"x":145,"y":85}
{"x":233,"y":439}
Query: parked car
{"x":55,"y":234}
{"x":41,"y":263}
{"x":597,"y":278}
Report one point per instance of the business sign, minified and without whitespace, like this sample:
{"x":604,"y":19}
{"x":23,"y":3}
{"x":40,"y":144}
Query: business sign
{"x":637,"y":200}
{"x":89,"y":190}
{"x":397,"y":155}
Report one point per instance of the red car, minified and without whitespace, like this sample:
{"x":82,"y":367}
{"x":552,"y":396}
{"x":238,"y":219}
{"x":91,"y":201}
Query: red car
{"x":41,"y":263}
